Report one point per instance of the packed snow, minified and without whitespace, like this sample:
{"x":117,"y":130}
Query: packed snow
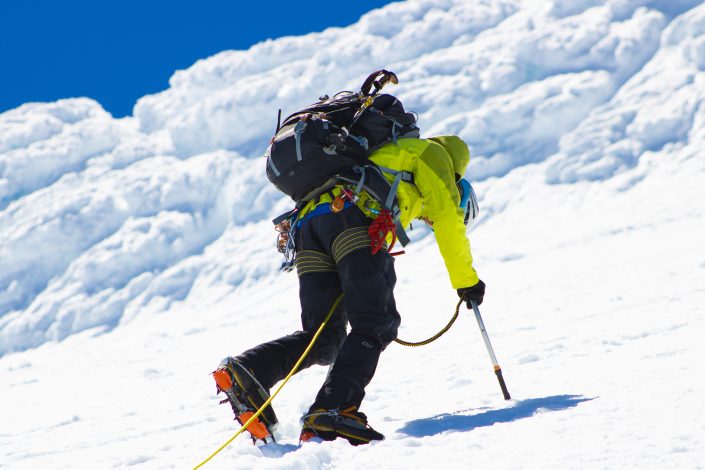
{"x":136,"y":253}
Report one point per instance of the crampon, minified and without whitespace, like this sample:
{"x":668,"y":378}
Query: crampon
{"x":328,"y":425}
{"x":246,"y":396}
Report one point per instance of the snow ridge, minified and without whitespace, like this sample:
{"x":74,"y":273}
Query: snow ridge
{"x":96,"y":211}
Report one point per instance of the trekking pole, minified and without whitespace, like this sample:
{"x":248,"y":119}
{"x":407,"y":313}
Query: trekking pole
{"x":497,"y":369}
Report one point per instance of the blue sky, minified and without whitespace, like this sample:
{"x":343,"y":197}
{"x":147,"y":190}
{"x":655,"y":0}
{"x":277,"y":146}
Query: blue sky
{"x":117,"y":51}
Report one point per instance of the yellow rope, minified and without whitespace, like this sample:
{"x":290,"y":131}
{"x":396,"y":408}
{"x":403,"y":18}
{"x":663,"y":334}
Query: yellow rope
{"x":437,"y":335}
{"x":303,"y":356}
{"x":293,"y":371}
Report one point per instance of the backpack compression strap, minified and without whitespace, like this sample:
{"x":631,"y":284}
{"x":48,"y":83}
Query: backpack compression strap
{"x":399,"y":176}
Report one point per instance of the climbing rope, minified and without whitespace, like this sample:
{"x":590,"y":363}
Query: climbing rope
{"x":437,"y":335}
{"x":286,"y":379}
{"x":301,"y":360}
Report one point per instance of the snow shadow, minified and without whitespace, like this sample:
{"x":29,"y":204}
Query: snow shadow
{"x":275,"y":450}
{"x":459,"y":422}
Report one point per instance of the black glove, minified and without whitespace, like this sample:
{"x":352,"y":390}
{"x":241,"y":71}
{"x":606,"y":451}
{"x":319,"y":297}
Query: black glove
{"x":472,"y":294}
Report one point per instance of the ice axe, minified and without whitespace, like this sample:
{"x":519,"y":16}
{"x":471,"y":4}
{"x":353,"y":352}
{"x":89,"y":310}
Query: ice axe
{"x":378,"y":79}
{"x":490,"y":351}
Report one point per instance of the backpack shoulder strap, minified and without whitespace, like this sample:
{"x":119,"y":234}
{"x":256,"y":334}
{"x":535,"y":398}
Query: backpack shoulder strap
{"x":377,"y":186}
{"x":406,"y":176}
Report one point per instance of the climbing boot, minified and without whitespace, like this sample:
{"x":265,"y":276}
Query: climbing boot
{"x":328,"y":425}
{"x":246,"y":396}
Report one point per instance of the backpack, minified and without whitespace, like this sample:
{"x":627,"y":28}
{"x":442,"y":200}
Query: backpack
{"x":329,"y":141}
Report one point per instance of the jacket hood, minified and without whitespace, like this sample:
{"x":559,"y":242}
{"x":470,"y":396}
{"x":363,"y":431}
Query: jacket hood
{"x":458,"y":151}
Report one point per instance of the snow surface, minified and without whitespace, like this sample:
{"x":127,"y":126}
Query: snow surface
{"x":136,"y":253}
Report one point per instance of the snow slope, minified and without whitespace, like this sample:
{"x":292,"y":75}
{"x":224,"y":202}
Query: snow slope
{"x":136,"y":253}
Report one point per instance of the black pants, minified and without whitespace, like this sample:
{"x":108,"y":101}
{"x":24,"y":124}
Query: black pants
{"x":333,"y":255}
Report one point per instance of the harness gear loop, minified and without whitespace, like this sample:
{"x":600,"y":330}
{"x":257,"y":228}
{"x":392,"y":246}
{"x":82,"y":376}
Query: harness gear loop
{"x":286,"y":379}
{"x":437,"y":335}
{"x":286,"y":232}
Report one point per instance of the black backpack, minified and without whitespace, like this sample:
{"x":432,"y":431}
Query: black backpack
{"x":329,"y":141}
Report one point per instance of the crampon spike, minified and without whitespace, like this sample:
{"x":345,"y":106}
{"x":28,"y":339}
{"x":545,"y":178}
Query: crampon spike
{"x":256,"y":428}
{"x":222,"y":379}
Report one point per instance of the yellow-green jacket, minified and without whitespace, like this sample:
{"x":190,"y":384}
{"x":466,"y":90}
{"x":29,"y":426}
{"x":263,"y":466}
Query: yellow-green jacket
{"x":433,"y":197}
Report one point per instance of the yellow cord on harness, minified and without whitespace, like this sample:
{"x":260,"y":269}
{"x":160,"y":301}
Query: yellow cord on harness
{"x":286,"y":379}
